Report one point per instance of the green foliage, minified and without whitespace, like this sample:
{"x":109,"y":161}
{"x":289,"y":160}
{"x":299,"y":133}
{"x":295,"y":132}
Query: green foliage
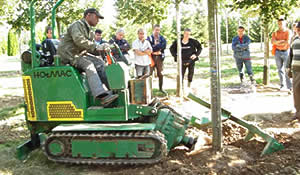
{"x":12,"y":43}
{"x":200,"y":27}
{"x":17,"y":12}
{"x":3,"y":46}
{"x":196,"y":21}
{"x":232,"y":28}
{"x":267,"y":9}
{"x":128,"y":26}
{"x":168,"y":32}
{"x":256,"y":30}
{"x":144,"y":11}
{"x":40,"y":36}
{"x":272,"y":27}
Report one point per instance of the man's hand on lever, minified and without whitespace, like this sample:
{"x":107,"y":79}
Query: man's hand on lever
{"x":103,"y":47}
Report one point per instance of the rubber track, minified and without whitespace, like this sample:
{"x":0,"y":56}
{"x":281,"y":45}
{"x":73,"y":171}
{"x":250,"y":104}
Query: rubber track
{"x":67,"y":157}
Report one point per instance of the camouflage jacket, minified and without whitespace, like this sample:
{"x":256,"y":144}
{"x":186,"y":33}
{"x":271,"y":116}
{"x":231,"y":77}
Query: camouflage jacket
{"x":79,"y":38}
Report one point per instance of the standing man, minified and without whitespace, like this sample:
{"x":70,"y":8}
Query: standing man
{"x":123,"y":45}
{"x":190,"y":50}
{"x":98,"y":37}
{"x":73,"y":49}
{"x":294,"y":64}
{"x":142,"y":49}
{"x":280,"y":39}
{"x":241,"y":54}
{"x":158,"y":44}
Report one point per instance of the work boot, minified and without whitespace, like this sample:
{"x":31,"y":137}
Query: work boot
{"x":160,"y":86}
{"x":295,"y":117}
{"x":252,"y":79}
{"x":107,"y":98}
{"x":163,"y":91}
{"x":242,"y":78}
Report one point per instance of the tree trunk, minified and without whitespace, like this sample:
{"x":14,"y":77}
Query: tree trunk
{"x":179,"y":90}
{"x":226,"y":20}
{"x":266,"y":79}
{"x":215,"y":75}
{"x":58,"y":28}
{"x":261,"y":39}
{"x":219,"y":35}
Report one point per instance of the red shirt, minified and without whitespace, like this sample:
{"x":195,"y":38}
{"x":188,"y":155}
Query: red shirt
{"x":241,"y":41}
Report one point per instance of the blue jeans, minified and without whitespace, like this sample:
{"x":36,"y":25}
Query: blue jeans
{"x":95,"y":73}
{"x":281,"y":58}
{"x":240,"y":62}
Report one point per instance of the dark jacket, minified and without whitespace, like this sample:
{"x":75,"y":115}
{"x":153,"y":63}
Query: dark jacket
{"x":192,"y":47}
{"x":48,"y":50}
{"x":161,"y":46}
{"x":123,"y":45}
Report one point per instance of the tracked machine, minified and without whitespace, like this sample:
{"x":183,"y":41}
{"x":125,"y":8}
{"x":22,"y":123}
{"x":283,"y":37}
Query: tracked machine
{"x":71,"y":127}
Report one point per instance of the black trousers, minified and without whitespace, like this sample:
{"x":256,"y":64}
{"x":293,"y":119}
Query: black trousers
{"x":190,"y":66}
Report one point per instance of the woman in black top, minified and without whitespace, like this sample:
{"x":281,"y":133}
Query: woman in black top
{"x":190,"y":50}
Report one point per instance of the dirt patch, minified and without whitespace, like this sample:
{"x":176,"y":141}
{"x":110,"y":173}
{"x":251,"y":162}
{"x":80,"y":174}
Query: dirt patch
{"x":231,"y":132}
{"x":237,"y":157}
{"x":10,"y":101}
{"x":10,"y":74}
{"x":13,"y":130}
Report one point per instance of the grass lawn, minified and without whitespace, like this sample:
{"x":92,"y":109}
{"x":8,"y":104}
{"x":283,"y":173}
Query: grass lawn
{"x":229,"y":72}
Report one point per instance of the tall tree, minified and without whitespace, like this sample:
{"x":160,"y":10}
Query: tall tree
{"x":215,"y":74}
{"x":179,"y":89}
{"x":268,"y":10}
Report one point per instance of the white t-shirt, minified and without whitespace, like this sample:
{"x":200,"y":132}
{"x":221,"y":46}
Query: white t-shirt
{"x":141,"y":46}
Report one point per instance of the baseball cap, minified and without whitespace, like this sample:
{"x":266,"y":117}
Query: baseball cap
{"x":93,"y":10}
